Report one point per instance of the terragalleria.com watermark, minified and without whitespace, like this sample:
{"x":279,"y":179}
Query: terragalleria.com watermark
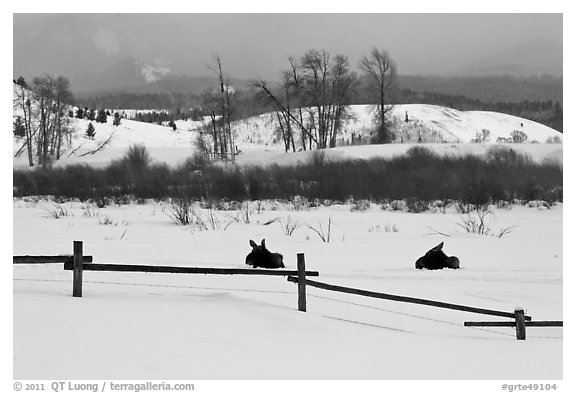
{"x":69,"y":386}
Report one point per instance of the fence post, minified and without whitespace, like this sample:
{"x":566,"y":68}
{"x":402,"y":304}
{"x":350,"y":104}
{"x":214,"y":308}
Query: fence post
{"x":78,"y":268}
{"x":301,"y":283}
{"x":520,"y":324}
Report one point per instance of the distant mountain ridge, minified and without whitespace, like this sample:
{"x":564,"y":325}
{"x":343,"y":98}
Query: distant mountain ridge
{"x":538,"y":56}
{"x":489,"y":89}
{"x":99,"y":52}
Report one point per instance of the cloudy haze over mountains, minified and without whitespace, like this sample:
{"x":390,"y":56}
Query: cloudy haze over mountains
{"x":101,"y":51}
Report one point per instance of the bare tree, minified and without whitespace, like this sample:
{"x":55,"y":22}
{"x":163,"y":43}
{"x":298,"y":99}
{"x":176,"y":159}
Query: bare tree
{"x":315,"y":68}
{"x":45,"y":107}
{"x":322,"y":87}
{"x":343,"y":82}
{"x":23,"y":102}
{"x":296,"y":84}
{"x":44,"y":89}
{"x":211,"y":104}
{"x":380,"y":69}
{"x":62,"y":97}
{"x":226,"y":93}
{"x":266,"y":92}
{"x":285,"y":122}
{"x":328,"y":87}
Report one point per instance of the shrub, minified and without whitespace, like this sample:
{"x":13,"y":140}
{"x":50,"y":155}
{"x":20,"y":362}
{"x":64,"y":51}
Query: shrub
{"x":419,"y":178}
{"x":318,"y":158}
{"x":89,"y":211}
{"x":388,"y":228}
{"x":398,"y":205}
{"x":180,"y":211}
{"x":478,"y":222}
{"x":107,"y":220}
{"x":414,"y":205}
{"x":137,"y":158}
{"x":359,"y":205}
{"x":196,"y":162}
{"x":507,"y":157}
{"x":518,"y":136}
{"x":323,"y":231}
{"x":419,"y":154}
{"x":288,"y":225}
{"x":57,"y":211}
{"x":482,"y":136}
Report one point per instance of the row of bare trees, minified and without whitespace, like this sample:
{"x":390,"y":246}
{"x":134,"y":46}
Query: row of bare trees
{"x":313,"y":98}
{"x":311,"y":105}
{"x":45,"y":109}
{"x":216,"y":139}
{"x":311,"y":101}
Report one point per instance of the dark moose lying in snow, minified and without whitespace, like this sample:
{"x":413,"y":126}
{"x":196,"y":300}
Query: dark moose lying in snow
{"x":436,"y":259}
{"x":261,"y":257}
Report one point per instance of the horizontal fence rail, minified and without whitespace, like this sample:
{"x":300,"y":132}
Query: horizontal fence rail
{"x":519,"y":323}
{"x":41,"y":259}
{"x":512,"y":324}
{"x":405,"y":299}
{"x":184,"y":269}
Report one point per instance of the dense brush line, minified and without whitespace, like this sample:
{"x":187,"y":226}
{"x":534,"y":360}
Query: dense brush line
{"x":501,"y":175}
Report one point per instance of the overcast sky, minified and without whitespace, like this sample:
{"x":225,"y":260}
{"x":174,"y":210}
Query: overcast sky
{"x":258,"y":45}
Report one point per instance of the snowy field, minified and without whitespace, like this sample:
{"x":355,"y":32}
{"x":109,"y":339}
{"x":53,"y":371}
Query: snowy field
{"x":195,"y":327}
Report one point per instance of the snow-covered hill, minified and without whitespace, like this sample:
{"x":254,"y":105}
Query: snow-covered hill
{"x":442,"y":129}
{"x":430,"y":123}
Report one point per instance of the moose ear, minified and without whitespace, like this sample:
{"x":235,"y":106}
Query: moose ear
{"x":253,"y":243}
{"x":438,"y":247}
{"x":263,"y":243}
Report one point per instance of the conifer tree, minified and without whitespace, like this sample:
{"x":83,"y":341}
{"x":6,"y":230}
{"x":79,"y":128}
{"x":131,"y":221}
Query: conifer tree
{"x":19,"y":129}
{"x":90,"y":131}
{"x":101,"y":117}
{"x":117,"y":119}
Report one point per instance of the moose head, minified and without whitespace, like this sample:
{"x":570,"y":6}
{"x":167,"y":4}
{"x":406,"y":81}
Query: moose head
{"x":261,"y":257}
{"x":436,"y":259}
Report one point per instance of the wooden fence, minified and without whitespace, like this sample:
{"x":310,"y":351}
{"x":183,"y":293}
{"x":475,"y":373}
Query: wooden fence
{"x":79,"y":263}
{"x":521,"y":321}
